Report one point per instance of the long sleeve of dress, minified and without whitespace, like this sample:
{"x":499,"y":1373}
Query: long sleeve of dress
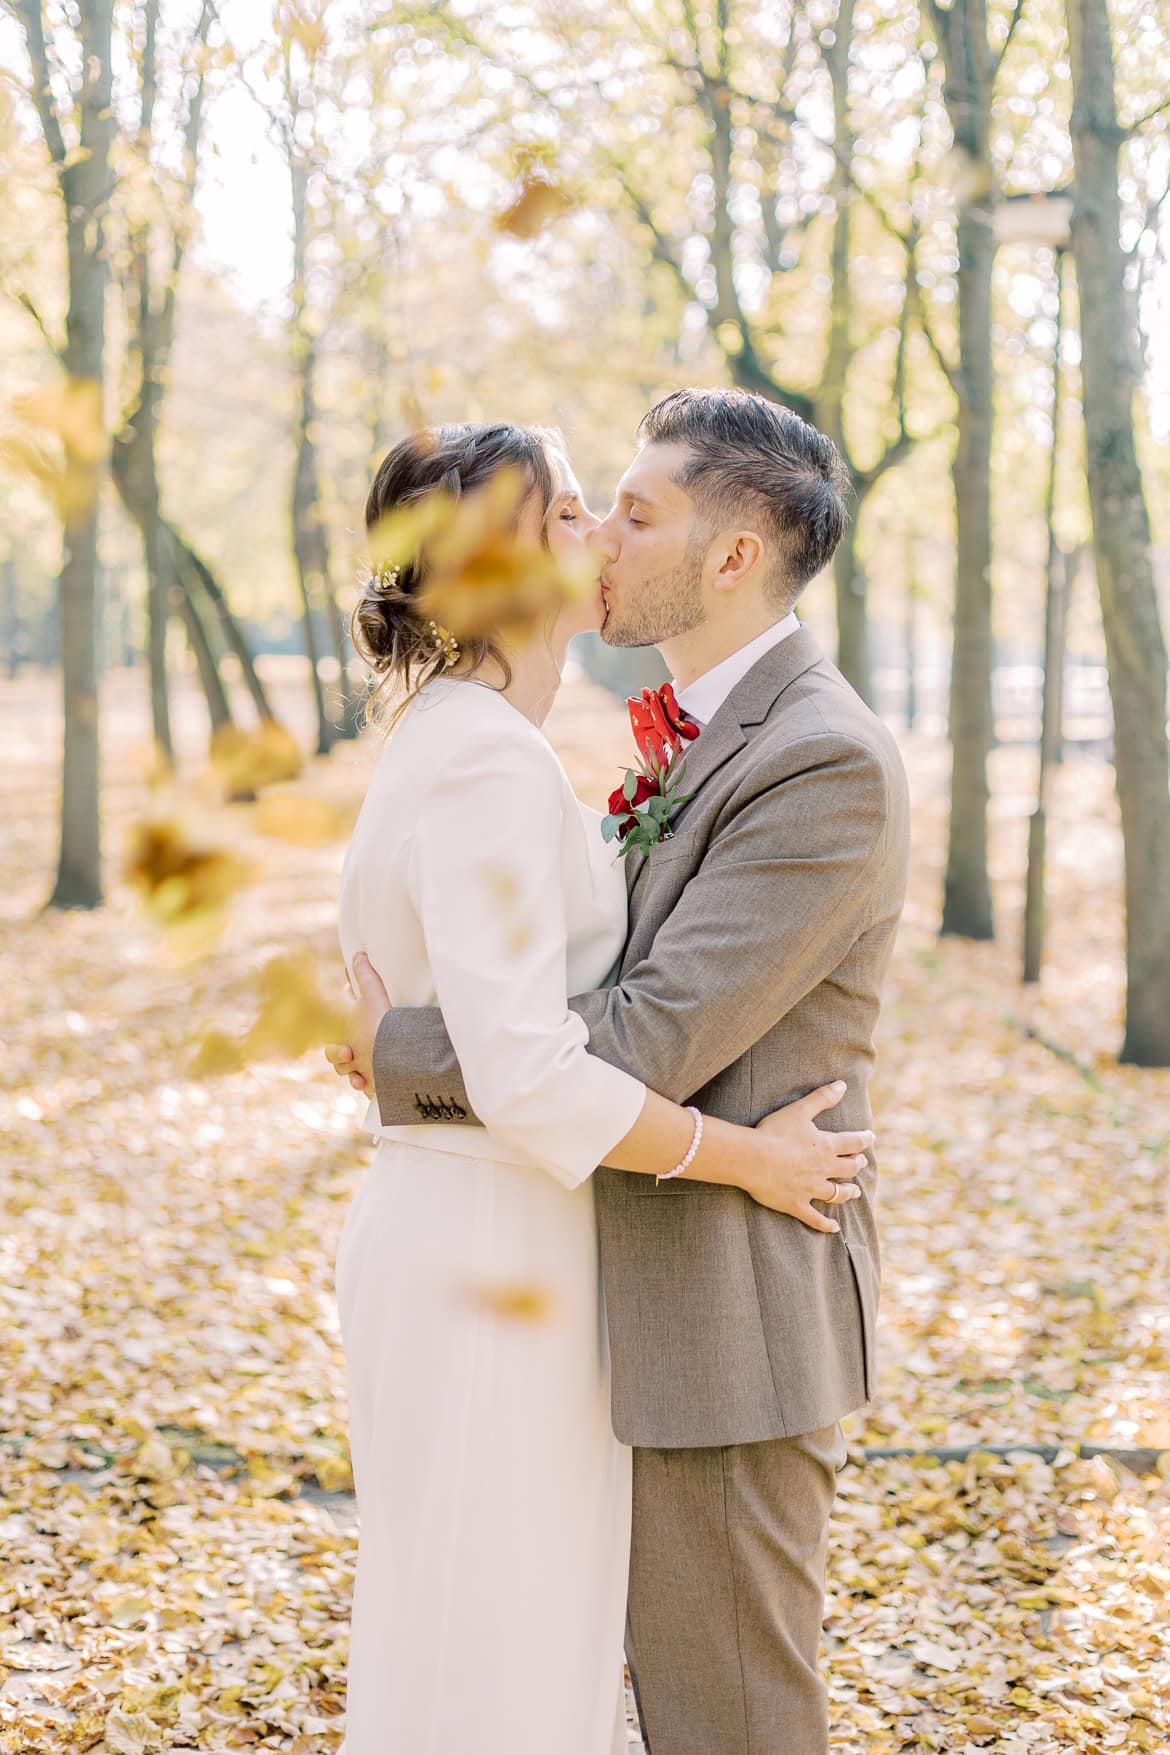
{"x":486,"y":880}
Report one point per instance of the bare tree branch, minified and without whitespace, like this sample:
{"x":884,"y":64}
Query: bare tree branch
{"x":25,"y":301}
{"x":949,"y":371}
{"x":1133,"y":128}
{"x":662,"y":248}
{"x":903,"y":441}
{"x":29,"y":14}
{"x":998,"y":60}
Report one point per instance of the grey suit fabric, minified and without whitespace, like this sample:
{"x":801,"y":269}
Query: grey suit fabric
{"x":727,"y":1584}
{"x":760,"y":933}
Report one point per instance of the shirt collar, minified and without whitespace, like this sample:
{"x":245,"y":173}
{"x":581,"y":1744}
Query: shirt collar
{"x":703,"y":698}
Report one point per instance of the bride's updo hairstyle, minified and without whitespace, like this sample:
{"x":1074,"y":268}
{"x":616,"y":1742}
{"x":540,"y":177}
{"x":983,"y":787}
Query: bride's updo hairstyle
{"x":390,"y":630}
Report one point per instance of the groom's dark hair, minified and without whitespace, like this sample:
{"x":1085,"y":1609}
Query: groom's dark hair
{"x":753,"y":458}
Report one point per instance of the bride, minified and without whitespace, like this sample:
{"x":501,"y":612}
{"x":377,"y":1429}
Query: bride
{"x":489,"y":1604}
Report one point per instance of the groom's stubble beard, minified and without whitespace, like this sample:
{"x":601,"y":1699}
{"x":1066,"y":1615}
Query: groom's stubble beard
{"x":664,"y":607}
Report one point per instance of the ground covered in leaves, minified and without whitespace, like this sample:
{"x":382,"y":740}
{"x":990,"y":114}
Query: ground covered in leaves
{"x":177,"y":1536}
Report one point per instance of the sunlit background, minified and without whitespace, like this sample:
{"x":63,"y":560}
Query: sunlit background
{"x":320,"y":227}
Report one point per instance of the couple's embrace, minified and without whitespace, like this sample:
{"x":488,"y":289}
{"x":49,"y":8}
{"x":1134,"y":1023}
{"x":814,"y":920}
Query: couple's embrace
{"x":596,"y":1098}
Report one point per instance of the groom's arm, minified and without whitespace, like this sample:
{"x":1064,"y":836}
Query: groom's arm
{"x":782,"y":893}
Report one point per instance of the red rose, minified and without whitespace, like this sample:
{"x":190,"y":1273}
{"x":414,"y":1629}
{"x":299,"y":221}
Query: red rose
{"x":620,"y":805}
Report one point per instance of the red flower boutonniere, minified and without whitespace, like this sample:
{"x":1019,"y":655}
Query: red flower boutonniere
{"x":640,"y":808}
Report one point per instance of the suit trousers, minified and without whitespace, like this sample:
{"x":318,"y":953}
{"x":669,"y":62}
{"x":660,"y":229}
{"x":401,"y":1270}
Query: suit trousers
{"x":727,"y":1578}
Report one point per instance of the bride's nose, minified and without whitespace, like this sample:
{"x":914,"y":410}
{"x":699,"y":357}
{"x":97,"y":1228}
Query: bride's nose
{"x":602,"y":539}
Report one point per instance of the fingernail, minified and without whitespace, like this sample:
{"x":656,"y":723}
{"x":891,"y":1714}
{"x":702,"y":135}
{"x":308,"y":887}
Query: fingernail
{"x":835,"y":1226}
{"x":839,"y":1085}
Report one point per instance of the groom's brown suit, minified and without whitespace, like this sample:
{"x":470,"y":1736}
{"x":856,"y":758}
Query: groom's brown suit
{"x":760,"y":932}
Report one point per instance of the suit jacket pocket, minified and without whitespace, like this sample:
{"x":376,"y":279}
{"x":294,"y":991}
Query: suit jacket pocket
{"x":867,"y":1285}
{"x":688,"y":843}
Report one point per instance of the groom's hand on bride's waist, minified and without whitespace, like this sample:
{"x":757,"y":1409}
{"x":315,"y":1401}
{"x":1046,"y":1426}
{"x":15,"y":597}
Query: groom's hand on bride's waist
{"x":354,"y":1059}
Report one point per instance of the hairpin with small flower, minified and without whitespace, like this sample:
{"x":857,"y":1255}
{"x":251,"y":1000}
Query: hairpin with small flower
{"x":444,"y":644}
{"x":384,"y":577}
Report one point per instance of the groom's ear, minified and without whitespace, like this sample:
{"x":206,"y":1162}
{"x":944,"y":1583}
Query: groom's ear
{"x":741,"y":555}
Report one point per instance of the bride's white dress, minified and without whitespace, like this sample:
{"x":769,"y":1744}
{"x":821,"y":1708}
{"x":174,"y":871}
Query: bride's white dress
{"x":494,"y":1500}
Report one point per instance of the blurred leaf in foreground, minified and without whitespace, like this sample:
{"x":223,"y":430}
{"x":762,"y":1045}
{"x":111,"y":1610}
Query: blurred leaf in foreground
{"x":186,"y":888}
{"x":294,"y":1014}
{"x":480,"y":574}
{"x":245,"y":760}
{"x":513,"y":1301}
{"x":537,"y":204}
{"x":300,"y":819}
{"x":69,"y":411}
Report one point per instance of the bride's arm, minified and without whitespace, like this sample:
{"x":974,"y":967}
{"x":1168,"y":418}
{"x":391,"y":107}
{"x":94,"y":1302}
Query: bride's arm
{"x":486,"y":880}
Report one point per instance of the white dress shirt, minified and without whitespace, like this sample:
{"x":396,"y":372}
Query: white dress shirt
{"x":703,"y":698}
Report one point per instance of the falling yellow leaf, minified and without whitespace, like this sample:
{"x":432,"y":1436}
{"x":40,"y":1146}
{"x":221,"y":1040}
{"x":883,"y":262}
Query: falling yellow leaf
{"x":299,"y":818}
{"x":186,"y":888}
{"x":71,"y":410}
{"x":218,"y":1053}
{"x":246,"y":760}
{"x":294,"y":1015}
{"x":538,"y":203}
{"x":513,"y":1301}
{"x":305,"y":29}
{"x":480,"y":575}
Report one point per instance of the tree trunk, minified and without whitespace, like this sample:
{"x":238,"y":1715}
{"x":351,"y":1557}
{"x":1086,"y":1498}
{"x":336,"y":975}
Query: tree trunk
{"x":1051,"y":710}
{"x":853,"y":654}
{"x":962,"y":35}
{"x":911,"y":631}
{"x":853,"y":658}
{"x":308,"y":541}
{"x":85,"y":191}
{"x":133,"y":470}
{"x":143,"y":423}
{"x":197,"y":577}
{"x":219,"y":709}
{"x":12,"y":635}
{"x":349,"y":698}
{"x":1134,"y":640}
{"x":309,"y":549}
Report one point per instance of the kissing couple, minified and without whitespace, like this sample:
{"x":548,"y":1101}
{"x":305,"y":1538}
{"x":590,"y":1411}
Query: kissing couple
{"x":610,"y":1281}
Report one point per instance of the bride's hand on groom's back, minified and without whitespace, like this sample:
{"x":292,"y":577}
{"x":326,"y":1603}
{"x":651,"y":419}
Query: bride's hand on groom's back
{"x":354,"y":1059}
{"x":802,"y":1163}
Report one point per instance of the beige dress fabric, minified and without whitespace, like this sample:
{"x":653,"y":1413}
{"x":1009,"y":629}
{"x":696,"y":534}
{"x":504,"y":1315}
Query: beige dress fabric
{"x":494,"y":1499}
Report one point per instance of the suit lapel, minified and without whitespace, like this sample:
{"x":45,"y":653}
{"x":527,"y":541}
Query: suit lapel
{"x":749,"y":703}
{"x":754,"y":696}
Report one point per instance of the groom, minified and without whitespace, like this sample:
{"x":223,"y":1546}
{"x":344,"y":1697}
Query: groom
{"x":760,"y":932}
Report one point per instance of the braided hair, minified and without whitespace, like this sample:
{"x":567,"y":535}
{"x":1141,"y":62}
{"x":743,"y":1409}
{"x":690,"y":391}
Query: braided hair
{"x":388,"y":629}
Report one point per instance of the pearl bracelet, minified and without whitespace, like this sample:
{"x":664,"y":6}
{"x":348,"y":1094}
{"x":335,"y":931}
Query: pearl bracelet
{"x":696,"y":1142}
